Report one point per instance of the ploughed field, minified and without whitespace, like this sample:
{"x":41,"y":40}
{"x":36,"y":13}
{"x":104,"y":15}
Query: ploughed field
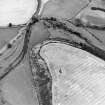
{"x":71,"y":76}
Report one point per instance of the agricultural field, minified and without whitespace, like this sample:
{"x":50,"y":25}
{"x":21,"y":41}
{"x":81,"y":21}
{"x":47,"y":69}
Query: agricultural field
{"x":52,"y":52}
